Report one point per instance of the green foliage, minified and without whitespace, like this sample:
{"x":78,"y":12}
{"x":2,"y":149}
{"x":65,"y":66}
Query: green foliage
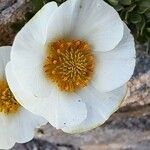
{"x":136,"y":13}
{"x":37,"y":4}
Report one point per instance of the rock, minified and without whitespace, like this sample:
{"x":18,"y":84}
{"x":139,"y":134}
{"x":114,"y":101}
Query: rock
{"x":36,"y":145}
{"x":12,"y":10}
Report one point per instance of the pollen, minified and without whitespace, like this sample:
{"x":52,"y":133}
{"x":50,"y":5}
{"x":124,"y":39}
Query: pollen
{"x":8,"y":103}
{"x":69,"y":64}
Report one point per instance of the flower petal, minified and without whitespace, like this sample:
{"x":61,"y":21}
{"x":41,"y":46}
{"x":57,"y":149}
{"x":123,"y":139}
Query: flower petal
{"x":32,"y":78}
{"x":115,"y":68}
{"x":28,"y":52}
{"x":60,"y":109}
{"x":94,"y":21}
{"x":66,"y":110}
{"x":100,"y":107}
{"x":18,"y":127}
{"x":4,"y":58}
{"x":33,"y":35}
{"x":30,"y":41}
{"x":63,"y":21}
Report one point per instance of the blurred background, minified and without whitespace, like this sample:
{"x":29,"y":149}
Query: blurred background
{"x":129,"y":127}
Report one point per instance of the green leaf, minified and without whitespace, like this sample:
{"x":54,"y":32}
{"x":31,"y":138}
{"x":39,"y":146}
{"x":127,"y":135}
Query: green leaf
{"x":37,"y":4}
{"x":135,"y":18}
{"x":147,"y":13}
{"x":141,"y":10}
{"x":57,"y":1}
{"x":131,"y":8}
{"x":147,"y":36}
{"x":148,"y":29}
{"x":46,"y":1}
{"x":113,"y":2}
{"x":125,"y":2}
{"x":118,"y":7}
{"x":125,"y":13}
{"x":141,"y":26}
{"x":144,"y":3}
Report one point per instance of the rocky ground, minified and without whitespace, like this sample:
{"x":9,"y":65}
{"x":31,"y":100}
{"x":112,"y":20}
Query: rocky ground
{"x":127,"y":129}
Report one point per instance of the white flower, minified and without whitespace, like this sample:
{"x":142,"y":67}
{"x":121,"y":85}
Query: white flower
{"x":70,"y":64}
{"x":16,"y":123}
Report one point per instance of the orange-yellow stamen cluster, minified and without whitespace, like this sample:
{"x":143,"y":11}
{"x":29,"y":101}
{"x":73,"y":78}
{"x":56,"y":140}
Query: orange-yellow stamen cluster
{"x":70,"y":64}
{"x":8,"y":103}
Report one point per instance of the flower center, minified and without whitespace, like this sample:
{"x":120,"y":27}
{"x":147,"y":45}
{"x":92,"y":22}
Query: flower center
{"x":8,"y":103}
{"x":70,"y":64}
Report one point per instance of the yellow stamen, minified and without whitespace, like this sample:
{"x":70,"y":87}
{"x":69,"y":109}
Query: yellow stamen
{"x":70,"y":64}
{"x":8,"y":103}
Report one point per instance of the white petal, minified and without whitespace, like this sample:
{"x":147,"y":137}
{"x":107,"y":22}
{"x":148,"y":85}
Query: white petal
{"x":28,"y":52}
{"x":25,"y":122}
{"x":30,"y":41}
{"x":62,"y":22}
{"x":5,"y":139}
{"x":18,"y":127}
{"x":65,"y":110}
{"x":4,"y":58}
{"x":60,"y":109}
{"x":115,"y":68}
{"x":94,"y":21}
{"x":31,"y":78}
{"x":33,"y":35}
{"x":100,"y":107}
